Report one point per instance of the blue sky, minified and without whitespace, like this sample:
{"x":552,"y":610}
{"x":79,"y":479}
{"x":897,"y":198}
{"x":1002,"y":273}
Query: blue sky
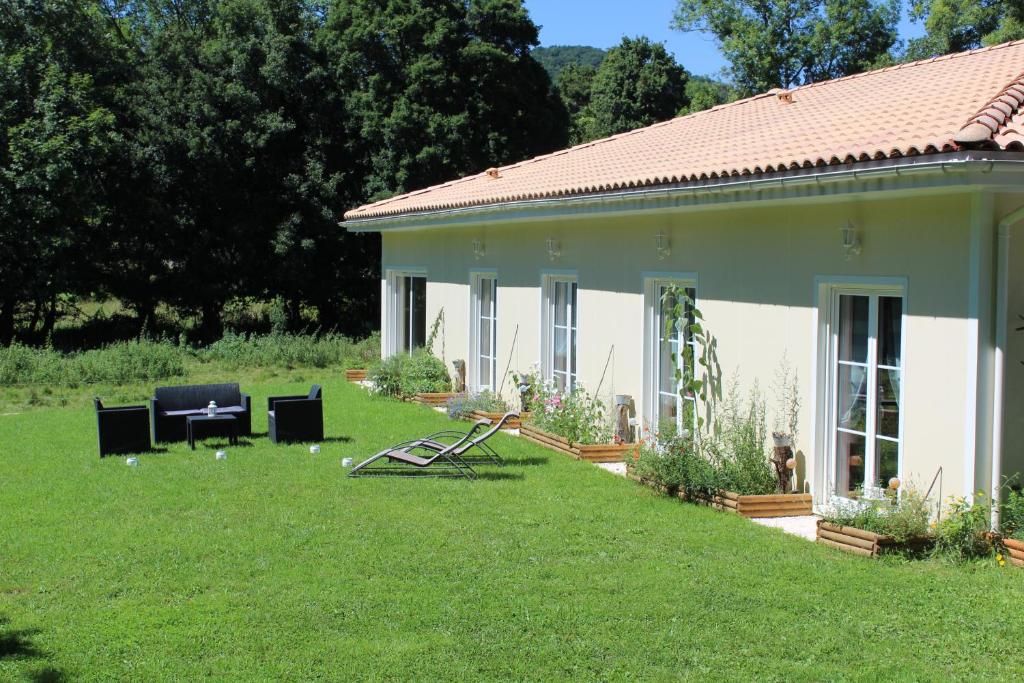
{"x":602,"y":23}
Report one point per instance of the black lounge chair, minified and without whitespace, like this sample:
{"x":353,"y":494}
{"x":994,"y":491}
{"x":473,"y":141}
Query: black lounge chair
{"x":124,"y":429}
{"x":296,"y":418}
{"x":438,"y":459}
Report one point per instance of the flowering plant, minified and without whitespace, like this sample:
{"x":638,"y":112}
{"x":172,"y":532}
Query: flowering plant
{"x":525,"y":384}
{"x":574,"y":415}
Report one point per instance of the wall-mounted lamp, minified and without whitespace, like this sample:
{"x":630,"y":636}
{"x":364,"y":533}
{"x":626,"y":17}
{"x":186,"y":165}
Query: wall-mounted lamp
{"x":554,"y":248}
{"x":851,"y":241}
{"x":478,"y":249}
{"x":663,"y":245}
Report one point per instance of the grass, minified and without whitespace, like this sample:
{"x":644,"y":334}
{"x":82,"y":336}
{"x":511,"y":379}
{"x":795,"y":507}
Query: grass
{"x":274,"y":566}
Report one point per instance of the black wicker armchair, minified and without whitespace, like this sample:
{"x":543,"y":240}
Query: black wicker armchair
{"x":296,"y":418}
{"x":124,"y":429}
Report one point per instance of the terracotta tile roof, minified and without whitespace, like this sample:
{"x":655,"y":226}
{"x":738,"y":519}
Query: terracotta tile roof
{"x":944,"y":104}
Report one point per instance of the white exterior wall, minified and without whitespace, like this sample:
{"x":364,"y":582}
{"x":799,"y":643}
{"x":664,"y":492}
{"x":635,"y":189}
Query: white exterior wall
{"x":757,"y":271}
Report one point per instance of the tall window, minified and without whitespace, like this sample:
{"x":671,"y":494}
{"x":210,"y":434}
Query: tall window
{"x":407,"y":303}
{"x":867,"y":370}
{"x":560,"y":341}
{"x":675,"y":348}
{"x":485,"y":312}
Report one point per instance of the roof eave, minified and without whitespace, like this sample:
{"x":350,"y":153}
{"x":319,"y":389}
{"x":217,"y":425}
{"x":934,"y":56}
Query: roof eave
{"x":952,"y":167}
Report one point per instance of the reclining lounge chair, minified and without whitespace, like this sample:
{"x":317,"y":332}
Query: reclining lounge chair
{"x":437,"y":459}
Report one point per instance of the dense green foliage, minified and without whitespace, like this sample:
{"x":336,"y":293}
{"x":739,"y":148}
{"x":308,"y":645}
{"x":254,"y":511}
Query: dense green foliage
{"x":403,"y":375}
{"x":732,"y":458}
{"x":958,"y":25}
{"x":556,"y":58}
{"x":638,"y":83}
{"x":424,"y":372}
{"x":960,"y":534}
{"x":292,"y":350}
{"x":118,"y":363}
{"x":187,"y":153}
{"x":783,"y":43}
{"x":271,"y":565}
{"x":144,"y":360}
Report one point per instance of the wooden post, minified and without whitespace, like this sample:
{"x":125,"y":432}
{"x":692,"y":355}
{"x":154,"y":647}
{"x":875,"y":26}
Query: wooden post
{"x":779,"y":458}
{"x":624,"y":410}
{"x":460,"y":375}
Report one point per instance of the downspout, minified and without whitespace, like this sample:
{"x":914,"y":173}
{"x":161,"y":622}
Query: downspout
{"x":999,"y":363}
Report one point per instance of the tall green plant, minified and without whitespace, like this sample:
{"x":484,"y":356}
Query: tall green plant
{"x":682,"y":317}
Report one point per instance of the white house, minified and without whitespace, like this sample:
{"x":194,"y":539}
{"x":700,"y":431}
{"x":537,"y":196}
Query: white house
{"x":859,"y":227}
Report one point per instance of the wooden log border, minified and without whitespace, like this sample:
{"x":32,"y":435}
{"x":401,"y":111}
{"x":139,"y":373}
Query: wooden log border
{"x":865,"y":543}
{"x":769,"y":505}
{"x":434,"y":400}
{"x":513,"y":422}
{"x":356,"y":374}
{"x":590,"y":453}
{"x":1015,"y":549}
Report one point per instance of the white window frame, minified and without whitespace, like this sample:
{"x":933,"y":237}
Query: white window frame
{"x":547,"y":308}
{"x":826,"y":351}
{"x":652,"y":283}
{"x":477,"y":278}
{"x":394,"y":325}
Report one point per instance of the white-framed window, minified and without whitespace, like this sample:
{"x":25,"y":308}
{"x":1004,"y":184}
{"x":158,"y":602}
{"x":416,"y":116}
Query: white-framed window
{"x":483,"y":341}
{"x":664,"y":351}
{"x":406,"y":310}
{"x":864,"y":387}
{"x":559,"y":343}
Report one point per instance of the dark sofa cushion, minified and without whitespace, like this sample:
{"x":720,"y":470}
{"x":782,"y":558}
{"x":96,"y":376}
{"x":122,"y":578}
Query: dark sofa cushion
{"x":197,"y":396}
{"x":221,"y":410}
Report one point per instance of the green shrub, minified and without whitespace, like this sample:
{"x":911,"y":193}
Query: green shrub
{"x":291,"y":350}
{"x":902,"y":518}
{"x":386,"y":375}
{"x":736,"y":459}
{"x":961,"y":533}
{"x":669,"y":463}
{"x":424,"y":373}
{"x":120,"y":363}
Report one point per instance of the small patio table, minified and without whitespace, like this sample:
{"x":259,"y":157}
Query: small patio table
{"x":202,"y":426}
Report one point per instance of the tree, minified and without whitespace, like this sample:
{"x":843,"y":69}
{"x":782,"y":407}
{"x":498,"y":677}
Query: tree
{"x":958,"y":25}
{"x":556,"y":58}
{"x":639,"y":83}
{"x":574,"y":85}
{"x":437,"y":89}
{"x":705,"y":93}
{"x":783,"y":43}
{"x":56,"y":142}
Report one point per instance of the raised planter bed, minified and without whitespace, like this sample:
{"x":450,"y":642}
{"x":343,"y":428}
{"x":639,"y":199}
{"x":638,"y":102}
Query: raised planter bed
{"x":771,"y":505}
{"x":865,"y":543}
{"x":1015,"y":549}
{"x":356,"y":374}
{"x":434,"y":400}
{"x":588,"y":452}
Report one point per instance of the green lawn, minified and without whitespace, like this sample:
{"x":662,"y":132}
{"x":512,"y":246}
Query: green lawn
{"x":275,"y":566}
